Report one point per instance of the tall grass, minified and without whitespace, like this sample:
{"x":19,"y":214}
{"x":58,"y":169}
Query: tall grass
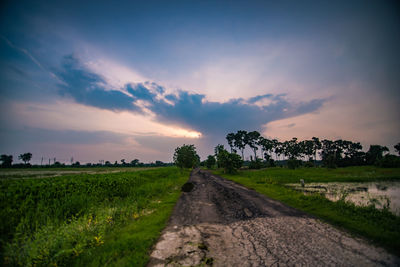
{"x":70,"y":219}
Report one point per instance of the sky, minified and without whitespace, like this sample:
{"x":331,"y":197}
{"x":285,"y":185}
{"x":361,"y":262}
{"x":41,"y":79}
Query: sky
{"x":112,"y":80}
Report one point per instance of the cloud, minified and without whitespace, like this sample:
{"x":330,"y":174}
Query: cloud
{"x":89,"y":88}
{"x":42,"y":136}
{"x":181,"y":108}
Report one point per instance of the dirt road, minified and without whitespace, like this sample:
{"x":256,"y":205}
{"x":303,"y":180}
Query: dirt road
{"x":221,"y":223}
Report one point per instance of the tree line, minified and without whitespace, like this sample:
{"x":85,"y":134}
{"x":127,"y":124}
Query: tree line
{"x":7,"y":162}
{"x":338,"y":153}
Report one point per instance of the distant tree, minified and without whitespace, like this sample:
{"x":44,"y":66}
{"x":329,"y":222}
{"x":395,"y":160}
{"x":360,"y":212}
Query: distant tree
{"x":316,"y":146}
{"x":252,"y":141}
{"x":210,"y":162}
{"x":6,"y":161}
{"x":375,"y":153}
{"x":240,"y":141}
{"x":159,"y":163}
{"x":328,"y":153}
{"x":267,"y":147}
{"x":307,"y":148}
{"x":186,"y":156}
{"x":77,"y":164}
{"x":291,"y":148}
{"x":107,"y":163}
{"x":123,"y":162}
{"x":277,"y":148}
{"x":230,"y":137}
{"x":135,"y":162}
{"x":26,"y":157}
{"x":397,"y":148}
{"x":229,"y":161}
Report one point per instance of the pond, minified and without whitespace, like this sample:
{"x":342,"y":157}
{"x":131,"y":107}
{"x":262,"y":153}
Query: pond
{"x":379,"y":194}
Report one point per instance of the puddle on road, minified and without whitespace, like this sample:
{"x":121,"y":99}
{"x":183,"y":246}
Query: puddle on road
{"x":379,"y":194}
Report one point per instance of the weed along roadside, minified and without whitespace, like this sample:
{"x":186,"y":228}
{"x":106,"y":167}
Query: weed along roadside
{"x":380,"y":226}
{"x":86,"y":219}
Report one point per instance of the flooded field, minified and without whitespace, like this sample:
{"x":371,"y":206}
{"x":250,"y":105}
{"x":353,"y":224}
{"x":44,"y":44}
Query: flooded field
{"x":380,"y":194}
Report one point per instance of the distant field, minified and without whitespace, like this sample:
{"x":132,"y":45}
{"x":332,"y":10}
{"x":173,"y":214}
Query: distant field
{"x":52,"y":172}
{"x":86,"y":219}
{"x":380,"y":226}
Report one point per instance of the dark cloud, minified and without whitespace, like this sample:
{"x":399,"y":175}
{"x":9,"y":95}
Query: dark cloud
{"x":183,"y":108}
{"x":88,"y":88}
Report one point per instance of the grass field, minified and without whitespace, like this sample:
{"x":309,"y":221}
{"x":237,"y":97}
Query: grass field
{"x":52,"y":172}
{"x":86,"y":219}
{"x":379,"y":226}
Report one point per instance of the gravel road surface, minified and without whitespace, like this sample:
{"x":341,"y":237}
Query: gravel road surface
{"x":221,"y":223}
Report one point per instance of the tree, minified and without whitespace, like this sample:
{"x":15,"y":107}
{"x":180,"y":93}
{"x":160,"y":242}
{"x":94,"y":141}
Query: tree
{"x":186,"y":156}
{"x":26,"y":157}
{"x":316,"y":146}
{"x":307,"y":148}
{"x":6,"y":161}
{"x":210,"y":162}
{"x":230,"y":137}
{"x":252,"y":141}
{"x":123,"y":161}
{"x":397,"y":148}
{"x":229,"y":161}
{"x":240,"y":141}
{"x":134,"y":162}
{"x":375,"y":153}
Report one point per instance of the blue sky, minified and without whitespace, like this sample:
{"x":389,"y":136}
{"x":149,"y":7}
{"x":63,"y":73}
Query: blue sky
{"x":97,"y":80}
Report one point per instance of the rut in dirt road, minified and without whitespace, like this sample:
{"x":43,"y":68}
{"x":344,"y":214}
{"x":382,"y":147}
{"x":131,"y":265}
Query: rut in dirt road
{"x":221,"y":223}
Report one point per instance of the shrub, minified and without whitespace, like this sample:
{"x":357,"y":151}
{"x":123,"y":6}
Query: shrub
{"x":293,"y":163}
{"x":389,"y":161}
{"x":256,"y":164}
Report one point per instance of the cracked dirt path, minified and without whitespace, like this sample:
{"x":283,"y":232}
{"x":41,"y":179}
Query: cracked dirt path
{"x":221,"y":223}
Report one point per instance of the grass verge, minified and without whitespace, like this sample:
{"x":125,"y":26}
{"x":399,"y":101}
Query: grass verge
{"x":379,"y":226}
{"x":102,"y":219}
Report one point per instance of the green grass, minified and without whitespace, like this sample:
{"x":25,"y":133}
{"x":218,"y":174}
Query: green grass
{"x":35,"y":172}
{"x":86,"y":219}
{"x":379,"y":226}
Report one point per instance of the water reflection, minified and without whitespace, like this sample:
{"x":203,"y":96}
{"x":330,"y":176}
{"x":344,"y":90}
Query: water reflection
{"x":379,"y":194}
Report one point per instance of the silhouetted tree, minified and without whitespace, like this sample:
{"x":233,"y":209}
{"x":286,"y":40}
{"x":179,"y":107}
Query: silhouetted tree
{"x":134,"y":162}
{"x":240,"y":141}
{"x":210,"y":162}
{"x":230,"y":137}
{"x":307,"y":148}
{"x":6,"y":161}
{"x":252,"y":141}
{"x":186,"y":156}
{"x":375,"y":153}
{"x":397,"y":148}
{"x":26,"y":157}
{"x":316,"y":146}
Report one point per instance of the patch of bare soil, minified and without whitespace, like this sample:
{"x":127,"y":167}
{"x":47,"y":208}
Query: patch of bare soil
{"x":221,"y":223}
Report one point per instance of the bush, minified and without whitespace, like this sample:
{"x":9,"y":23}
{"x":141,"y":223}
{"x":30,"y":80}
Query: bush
{"x":293,"y":163}
{"x":229,"y":161}
{"x":389,"y":161}
{"x":256,"y":164}
{"x":210,"y":162}
{"x":309,"y":164}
